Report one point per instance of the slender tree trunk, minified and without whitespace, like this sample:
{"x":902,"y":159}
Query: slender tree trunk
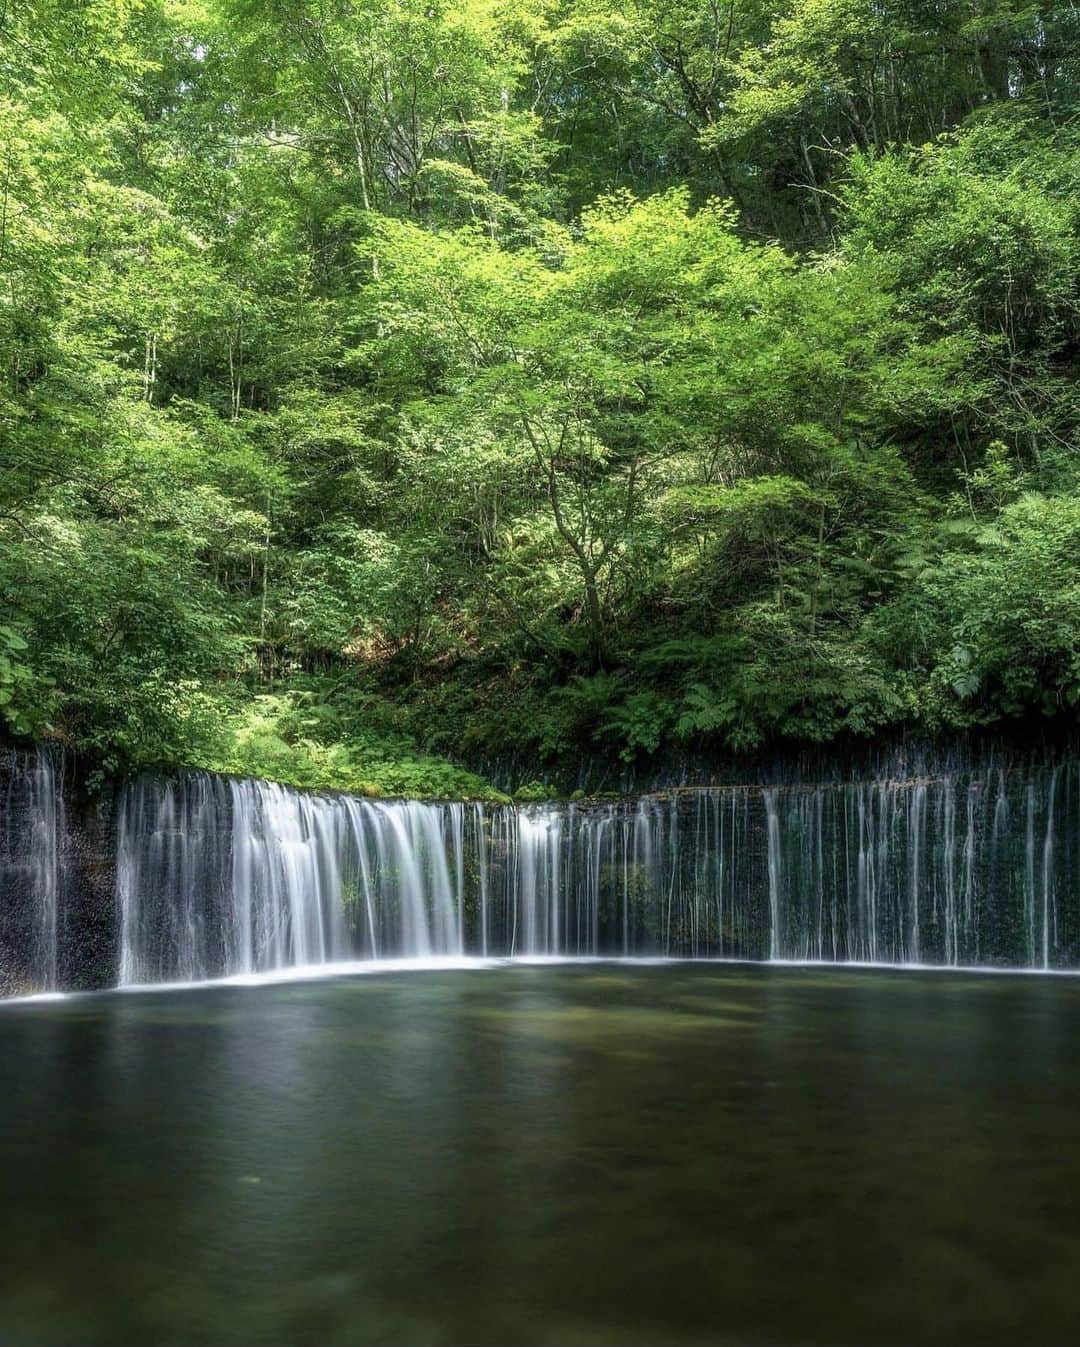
{"x":815,"y":196}
{"x":265,"y":586}
{"x":150,"y":367}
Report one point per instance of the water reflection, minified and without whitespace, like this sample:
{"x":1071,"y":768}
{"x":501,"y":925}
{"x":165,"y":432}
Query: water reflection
{"x":581,"y":1153}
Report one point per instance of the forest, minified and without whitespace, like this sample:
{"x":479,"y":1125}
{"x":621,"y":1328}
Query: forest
{"x":391,"y":386}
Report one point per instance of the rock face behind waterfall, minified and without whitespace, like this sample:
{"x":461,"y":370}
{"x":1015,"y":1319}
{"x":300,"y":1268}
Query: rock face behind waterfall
{"x":195,"y":876}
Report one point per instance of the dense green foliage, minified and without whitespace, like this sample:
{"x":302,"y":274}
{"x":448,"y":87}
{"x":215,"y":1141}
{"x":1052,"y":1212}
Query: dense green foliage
{"x":385,"y":384}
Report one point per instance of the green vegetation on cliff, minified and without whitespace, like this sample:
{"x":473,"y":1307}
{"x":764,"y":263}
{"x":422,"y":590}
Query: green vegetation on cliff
{"x":386,"y":384}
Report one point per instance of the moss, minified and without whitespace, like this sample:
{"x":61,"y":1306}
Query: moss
{"x":285,"y":738}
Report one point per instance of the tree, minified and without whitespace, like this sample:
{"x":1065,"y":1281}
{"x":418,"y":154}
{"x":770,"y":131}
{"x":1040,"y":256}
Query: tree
{"x":632,"y":376}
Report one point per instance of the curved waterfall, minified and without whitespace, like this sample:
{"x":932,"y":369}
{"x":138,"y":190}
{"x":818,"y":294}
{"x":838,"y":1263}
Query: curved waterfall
{"x":197,"y":876}
{"x":216,"y":877}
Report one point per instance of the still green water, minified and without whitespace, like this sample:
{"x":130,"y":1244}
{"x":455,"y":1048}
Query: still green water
{"x":557,"y":1154}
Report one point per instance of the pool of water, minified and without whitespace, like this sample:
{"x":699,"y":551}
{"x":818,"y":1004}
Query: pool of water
{"x":593,"y":1153}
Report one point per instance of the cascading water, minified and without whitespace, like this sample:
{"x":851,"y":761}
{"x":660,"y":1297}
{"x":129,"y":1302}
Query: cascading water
{"x":31,"y":849}
{"x":218,"y":877}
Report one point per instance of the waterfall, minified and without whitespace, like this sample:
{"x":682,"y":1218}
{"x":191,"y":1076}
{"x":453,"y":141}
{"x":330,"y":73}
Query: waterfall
{"x":220,"y":877}
{"x":216,"y":877}
{"x":31,"y":849}
{"x":173,"y":843}
{"x":772,"y":818}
